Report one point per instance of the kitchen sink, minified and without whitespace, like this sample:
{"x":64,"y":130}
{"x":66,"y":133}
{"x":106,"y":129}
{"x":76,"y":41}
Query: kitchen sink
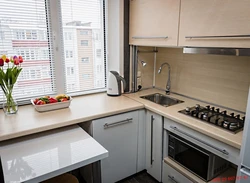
{"x":162,"y":99}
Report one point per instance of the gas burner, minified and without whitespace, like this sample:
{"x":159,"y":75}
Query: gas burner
{"x":229,"y":122}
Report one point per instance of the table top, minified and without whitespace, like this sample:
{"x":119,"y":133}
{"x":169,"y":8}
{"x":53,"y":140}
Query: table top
{"x":41,"y":156}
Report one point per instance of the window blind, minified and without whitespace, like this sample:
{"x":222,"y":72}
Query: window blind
{"x":83,"y":37}
{"x":25,"y":30}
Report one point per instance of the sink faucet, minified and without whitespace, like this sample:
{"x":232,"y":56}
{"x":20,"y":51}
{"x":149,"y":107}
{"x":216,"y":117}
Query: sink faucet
{"x":168,"y":81}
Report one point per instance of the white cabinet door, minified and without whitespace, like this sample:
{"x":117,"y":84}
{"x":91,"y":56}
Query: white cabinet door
{"x":154,"y":133}
{"x":170,"y":175}
{"x":118,"y":134}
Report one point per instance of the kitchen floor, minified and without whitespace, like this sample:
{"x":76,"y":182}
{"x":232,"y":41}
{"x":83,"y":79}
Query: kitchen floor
{"x":142,"y":177}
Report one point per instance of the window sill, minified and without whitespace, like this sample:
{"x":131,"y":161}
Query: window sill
{"x":84,"y":108}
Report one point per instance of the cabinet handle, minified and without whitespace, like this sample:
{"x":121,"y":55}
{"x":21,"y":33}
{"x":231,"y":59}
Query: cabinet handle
{"x":108,"y":125}
{"x":149,"y":37}
{"x":229,"y":36}
{"x":152,"y":142}
{"x":199,"y":140}
{"x":172,"y":179}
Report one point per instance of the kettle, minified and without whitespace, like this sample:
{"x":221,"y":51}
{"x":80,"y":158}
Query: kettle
{"x":114,"y":84}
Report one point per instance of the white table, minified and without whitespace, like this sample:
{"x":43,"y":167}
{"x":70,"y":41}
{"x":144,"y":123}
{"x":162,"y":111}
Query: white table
{"x":45,"y":155}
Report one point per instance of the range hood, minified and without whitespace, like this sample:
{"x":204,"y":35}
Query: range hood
{"x":218,"y":51}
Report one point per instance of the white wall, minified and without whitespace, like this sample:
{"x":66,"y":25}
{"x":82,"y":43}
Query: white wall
{"x":115,"y":50}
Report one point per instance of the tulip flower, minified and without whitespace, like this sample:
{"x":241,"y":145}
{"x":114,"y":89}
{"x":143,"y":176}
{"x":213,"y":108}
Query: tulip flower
{"x":20,"y":59}
{"x":4,"y":57}
{"x":16,"y":62}
{"x":1,"y":62}
{"x":7,"y":60}
{"x":11,"y":59}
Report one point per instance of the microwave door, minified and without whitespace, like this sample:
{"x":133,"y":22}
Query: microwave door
{"x":188,"y":155}
{"x":245,"y":149}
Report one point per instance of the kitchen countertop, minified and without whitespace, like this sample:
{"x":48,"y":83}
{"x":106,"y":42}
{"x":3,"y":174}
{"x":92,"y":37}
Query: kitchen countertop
{"x":173,"y":114}
{"x":85,"y":108}
{"x":28,"y":121}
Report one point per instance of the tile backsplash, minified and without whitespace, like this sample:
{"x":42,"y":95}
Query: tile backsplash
{"x":222,"y":80}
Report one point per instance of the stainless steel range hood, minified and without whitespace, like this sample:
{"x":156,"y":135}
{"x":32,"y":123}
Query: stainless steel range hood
{"x":218,"y":51}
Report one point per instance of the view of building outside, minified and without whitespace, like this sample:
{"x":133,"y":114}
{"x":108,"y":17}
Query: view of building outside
{"x":82,"y":21}
{"x":82,"y":45}
{"x":24,"y":33}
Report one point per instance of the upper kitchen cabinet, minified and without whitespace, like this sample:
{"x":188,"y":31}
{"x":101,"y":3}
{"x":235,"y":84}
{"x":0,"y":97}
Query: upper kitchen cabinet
{"x":215,"y":23}
{"x":154,"y":23}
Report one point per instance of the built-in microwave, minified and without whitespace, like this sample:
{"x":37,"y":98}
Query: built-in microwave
{"x":199,"y":161}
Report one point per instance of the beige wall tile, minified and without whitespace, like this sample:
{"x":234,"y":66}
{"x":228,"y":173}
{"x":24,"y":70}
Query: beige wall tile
{"x":223,"y":80}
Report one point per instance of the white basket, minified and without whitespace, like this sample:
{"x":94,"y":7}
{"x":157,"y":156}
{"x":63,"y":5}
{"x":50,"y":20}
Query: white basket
{"x":52,"y":106}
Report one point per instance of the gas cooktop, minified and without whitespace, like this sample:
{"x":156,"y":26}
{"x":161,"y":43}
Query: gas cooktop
{"x":231,"y":122}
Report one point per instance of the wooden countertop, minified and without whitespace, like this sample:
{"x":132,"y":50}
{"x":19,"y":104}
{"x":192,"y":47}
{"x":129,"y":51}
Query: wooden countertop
{"x":28,"y":121}
{"x":173,"y":114}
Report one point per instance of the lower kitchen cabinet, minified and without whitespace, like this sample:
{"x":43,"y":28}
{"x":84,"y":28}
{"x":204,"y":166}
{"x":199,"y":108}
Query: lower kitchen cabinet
{"x":154,"y":134}
{"x":119,"y":135}
{"x":170,"y":175}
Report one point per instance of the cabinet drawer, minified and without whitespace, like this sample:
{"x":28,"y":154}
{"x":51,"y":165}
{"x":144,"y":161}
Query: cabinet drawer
{"x":170,"y":175}
{"x":219,"y":148}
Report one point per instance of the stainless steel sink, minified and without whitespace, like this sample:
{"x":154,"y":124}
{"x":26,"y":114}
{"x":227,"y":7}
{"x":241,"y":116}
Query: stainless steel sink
{"x":162,"y":99}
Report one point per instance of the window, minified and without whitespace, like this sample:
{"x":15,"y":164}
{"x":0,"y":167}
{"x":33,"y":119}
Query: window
{"x":85,"y":59}
{"x":20,"y":34}
{"x":99,"y":53}
{"x":70,"y":54}
{"x":84,"y":42}
{"x":23,"y":24}
{"x":67,"y":54}
{"x":86,"y":76}
{"x":34,"y":28}
{"x":84,"y":32}
{"x":70,"y":71}
{"x":99,"y":68}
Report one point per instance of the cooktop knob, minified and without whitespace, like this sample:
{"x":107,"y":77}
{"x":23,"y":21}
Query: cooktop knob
{"x":187,"y":109}
{"x":232,"y":114}
{"x":238,"y":116}
{"x":218,"y":110}
{"x":243,"y":118}
{"x":212,"y":108}
{"x":197,"y":106}
{"x":208,"y":107}
{"x":224,"y":112}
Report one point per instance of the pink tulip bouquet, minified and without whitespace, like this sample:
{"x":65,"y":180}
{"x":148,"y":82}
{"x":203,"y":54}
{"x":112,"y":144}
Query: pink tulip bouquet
{"x":10,"y":69}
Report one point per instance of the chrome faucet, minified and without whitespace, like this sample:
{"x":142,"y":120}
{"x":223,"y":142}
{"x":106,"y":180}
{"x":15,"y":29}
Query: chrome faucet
{"x":168,"y":81}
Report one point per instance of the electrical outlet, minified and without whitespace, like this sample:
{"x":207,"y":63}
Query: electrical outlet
{"x":138,"y":81}
{"x":138,"y":74}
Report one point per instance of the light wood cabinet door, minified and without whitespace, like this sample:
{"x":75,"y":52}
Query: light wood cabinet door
{"x":154,"y":22}
{"x":226,"y":22}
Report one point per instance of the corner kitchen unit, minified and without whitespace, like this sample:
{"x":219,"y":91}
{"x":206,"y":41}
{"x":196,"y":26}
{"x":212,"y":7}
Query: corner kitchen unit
{"x":190,"y":125}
